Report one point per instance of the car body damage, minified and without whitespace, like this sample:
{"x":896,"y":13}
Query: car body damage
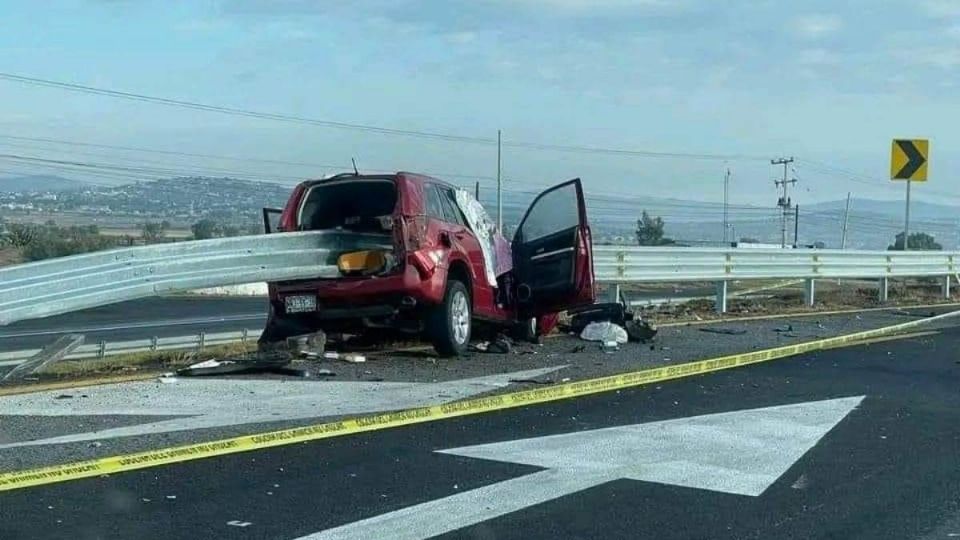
{"x":419,"y":255}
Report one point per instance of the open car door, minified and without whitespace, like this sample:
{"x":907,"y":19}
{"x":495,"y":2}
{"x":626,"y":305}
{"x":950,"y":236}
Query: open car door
{"x":552,"y":253}
{"x":271,"y":219}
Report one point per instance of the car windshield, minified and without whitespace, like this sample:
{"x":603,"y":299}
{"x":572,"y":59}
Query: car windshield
{"x":354,"y":205}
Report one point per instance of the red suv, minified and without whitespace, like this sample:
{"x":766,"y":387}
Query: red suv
{"x":417,"y":254}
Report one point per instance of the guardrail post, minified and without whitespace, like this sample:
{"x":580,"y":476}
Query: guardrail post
{"x":615,"y":293}
{"x":945,"y":286}
{"x":721,"y":302}
{"x":102,"y":351}
{"x":243,"y":336}
{"x":202,"y":340}
{"x":809,"y":287}
{"x":153,"y":343}
{"x":884,"y":286}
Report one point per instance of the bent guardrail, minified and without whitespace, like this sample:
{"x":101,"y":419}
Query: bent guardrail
{"x":84,"y":281}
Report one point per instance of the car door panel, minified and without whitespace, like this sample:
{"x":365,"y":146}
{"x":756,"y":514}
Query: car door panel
{"x":552,"y":253}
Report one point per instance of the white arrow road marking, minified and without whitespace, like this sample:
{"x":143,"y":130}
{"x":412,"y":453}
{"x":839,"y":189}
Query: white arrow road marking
{"x":740,"y":452}
{"x":210,"y":403}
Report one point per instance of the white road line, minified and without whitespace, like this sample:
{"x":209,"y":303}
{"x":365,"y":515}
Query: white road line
{"x":739,"y":452}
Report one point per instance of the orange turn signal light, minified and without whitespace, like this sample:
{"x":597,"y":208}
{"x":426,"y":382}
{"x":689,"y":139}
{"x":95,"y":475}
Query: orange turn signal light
{"x":361,"y":261}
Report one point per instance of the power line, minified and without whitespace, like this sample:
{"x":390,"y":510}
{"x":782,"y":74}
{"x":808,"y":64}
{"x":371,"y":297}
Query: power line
{"x":193,"y":105}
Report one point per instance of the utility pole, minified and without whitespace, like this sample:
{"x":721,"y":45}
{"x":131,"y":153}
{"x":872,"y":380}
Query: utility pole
{"x":726,"y":202}
{"x":499,"y":189}
{"x":796,"y":225}
{"x":784,"y":202}
{"x":846,"y":214}
{"x":476,"y":190}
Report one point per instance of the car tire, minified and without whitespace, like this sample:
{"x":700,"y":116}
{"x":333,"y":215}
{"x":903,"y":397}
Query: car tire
{"x":450,"y":323}
{"x":526,"y":331}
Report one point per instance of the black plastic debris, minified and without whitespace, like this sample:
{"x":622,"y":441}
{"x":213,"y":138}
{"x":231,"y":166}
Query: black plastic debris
{"x":640,"y":330}
{"x":277,"y":366}
{"x":725,"y":331}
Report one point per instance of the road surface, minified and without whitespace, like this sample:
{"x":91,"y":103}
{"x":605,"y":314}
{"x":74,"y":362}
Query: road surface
{"x":861,"y":442}
{"x":140,"y":319}
{"x":173,"y":316}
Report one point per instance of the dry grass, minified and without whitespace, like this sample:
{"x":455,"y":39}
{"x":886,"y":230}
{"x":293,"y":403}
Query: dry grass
{"x":147,"y":361}
{"x":10,"y":256}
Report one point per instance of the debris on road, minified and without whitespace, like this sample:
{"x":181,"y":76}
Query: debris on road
{"x":640,"y":330}
{"x":310,"y":345}
{"x":500,"y":345}
{"x":47,"y":356}
{"x":354,"y":358}
{"x":230,"y":367}
{"x":604,"y":332}
{"x":725,"y":331}
{"x":782,"y":329}
{"x":612,"y":312}
{"x":531,"y":381}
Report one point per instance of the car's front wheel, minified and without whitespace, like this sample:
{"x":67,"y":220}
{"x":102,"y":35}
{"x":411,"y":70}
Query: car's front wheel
{"x":449,"y":324}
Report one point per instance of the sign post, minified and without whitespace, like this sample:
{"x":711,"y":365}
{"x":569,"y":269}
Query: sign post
{"x":908,"y":161}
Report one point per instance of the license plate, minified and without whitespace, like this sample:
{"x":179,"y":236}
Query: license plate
{"x":300,"y":303}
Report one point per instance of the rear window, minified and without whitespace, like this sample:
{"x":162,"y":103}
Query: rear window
{"x":354,"y":205}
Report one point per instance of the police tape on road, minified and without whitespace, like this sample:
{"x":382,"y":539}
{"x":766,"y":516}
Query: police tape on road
{"x":245,"y":443}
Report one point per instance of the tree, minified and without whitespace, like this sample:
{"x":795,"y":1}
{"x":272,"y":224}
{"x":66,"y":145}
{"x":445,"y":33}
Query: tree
{"x":748,"y":240}
{"x":918,"y":241}
{"x":151,"y":232}
{"x":21,"y":235}
{"x":650,"y":231}
{"x":230,"y":230}
{"x":205,"y":228}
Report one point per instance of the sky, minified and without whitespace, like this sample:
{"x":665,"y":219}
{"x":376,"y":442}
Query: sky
{"x":725,"y":84}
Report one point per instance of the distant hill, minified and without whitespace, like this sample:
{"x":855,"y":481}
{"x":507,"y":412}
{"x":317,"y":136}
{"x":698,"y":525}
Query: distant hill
{"x":918,"y":209}
{"x":39,"y":183}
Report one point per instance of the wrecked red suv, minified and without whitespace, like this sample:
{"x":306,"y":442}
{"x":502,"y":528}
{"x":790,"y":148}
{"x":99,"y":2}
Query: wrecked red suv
{"x":417,"y":254}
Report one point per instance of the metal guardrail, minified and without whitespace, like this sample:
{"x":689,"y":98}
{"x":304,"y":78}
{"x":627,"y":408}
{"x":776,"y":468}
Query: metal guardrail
{"x":84,"y":281}
{"x":621,"y":264}
{"x":104,"y":349}
{"x":628,"y":264}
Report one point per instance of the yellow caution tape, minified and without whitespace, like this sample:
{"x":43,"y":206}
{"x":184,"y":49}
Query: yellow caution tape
{"x":179,"y":454}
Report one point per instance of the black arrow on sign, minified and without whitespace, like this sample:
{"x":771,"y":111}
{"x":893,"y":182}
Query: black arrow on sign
{"x":915,"y":160}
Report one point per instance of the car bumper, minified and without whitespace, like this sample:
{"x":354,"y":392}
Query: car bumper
{"x":357,"y":298}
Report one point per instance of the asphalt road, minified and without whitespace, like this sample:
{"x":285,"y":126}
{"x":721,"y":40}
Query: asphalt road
{"x":140,"y":319}
{"x":859,"y":442}
{"x":174,"y":316}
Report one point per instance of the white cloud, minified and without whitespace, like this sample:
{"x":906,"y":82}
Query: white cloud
{"x":461,"y":38}
{"x":941,"y":8}
{"x":816,"y":26}
{"x":817,"y":57}
{"x":946,"y":58}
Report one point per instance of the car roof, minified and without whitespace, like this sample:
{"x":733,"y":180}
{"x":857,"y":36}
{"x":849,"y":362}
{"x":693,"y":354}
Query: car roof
{"x":416,"y":177}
